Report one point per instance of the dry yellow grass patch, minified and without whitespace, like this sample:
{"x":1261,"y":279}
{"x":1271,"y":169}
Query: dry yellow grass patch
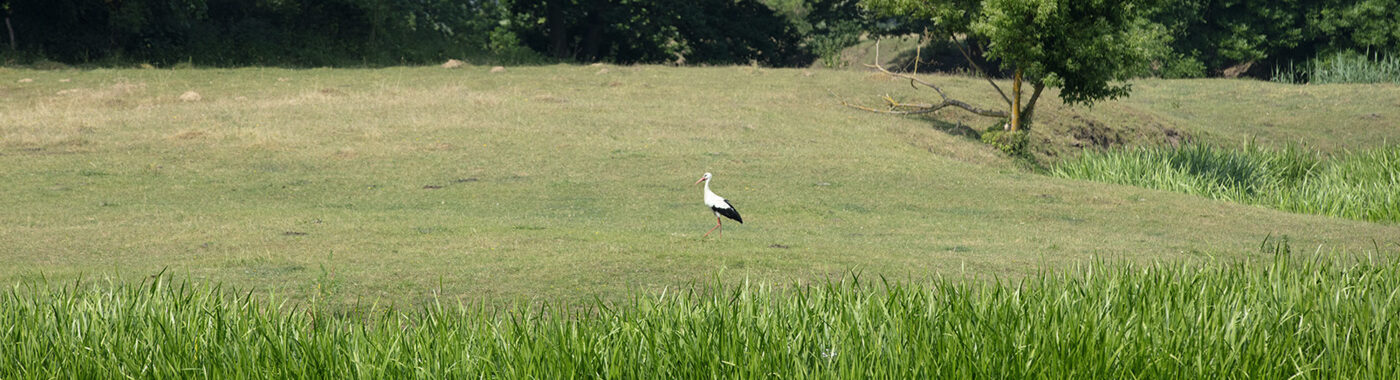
{"x":116,"y":90}
{"x":189,"y":134}
{"x":548,"y":98}
{"x":345,"y":153}
{"x":481,"y":99}
{"x":69,"y":138}
{"x":372,"y":133}
{"x":880,"y":77}
{"x":263,"y":138}
{"x":304,"y":98}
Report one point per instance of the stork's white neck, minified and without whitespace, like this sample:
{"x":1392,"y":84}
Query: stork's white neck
{"x":710,"y":197}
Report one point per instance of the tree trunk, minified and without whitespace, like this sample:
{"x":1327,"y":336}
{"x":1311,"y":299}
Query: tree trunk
{"x":558,"y":33}
{"x":592,"y":40}
{"x":1016,"y":101}
{"x":12,"y":34}
{"x":1028,"y":115}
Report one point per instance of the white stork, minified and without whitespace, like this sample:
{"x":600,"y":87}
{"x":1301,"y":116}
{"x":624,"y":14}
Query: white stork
{"x":719,"y":205}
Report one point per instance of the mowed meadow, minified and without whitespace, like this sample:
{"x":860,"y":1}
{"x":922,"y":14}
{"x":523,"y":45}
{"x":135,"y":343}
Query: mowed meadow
{"x":569,"y":183}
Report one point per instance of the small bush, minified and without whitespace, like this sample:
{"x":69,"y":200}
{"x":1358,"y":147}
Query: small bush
{"x":828,"y":46}
{"x":1014,"y":144}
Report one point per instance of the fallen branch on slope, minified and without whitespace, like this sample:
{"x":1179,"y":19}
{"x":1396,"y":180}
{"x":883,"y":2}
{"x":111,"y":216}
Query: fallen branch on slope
{"x":894,"y":107}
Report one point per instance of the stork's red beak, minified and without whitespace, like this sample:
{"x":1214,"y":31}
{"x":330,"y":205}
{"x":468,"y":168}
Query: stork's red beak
{"x":698,"y":181}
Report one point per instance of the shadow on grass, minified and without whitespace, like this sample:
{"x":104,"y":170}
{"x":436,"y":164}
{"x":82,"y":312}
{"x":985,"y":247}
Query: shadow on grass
{"x":955,"y":128}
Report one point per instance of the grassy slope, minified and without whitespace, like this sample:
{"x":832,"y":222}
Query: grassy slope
{"x":1330,"y":118}
{"x":562,"y":181}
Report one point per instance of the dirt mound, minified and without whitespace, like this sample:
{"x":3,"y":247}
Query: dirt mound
{"x":1093,"y":133}
{"x":1062,"y":132}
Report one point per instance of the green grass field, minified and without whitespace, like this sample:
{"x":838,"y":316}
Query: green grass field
{"x":570,"y":182}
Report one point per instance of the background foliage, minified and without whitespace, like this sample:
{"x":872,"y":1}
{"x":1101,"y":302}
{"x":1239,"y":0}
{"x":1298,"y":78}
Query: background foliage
{"x":627,"y":31}
{"x":1191,"y":38}
{"x":1206,"y":37}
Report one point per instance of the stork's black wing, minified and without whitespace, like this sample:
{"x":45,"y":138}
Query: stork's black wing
{"x":729,"y":212}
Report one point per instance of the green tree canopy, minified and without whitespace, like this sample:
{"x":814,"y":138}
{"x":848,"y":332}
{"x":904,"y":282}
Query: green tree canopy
{"x":1086,"y":48}
{"x":1360,"y":24}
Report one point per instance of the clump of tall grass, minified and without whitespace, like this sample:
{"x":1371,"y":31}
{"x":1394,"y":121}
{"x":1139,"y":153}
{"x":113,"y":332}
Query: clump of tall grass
{"x":1345,"y":67}
{"x":1223,"y":320}
{"x":1357,"y":185}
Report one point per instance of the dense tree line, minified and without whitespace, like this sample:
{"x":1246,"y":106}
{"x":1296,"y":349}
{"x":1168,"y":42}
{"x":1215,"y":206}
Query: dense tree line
{"x":246,"y":32}
{"x":627,"y":31}
{"x":1207,"y":37}
{"x":1183,"y":38}
{"x":384,"y":32}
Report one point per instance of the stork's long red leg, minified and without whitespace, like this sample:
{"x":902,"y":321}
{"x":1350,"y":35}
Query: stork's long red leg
{"x":717,"y":225}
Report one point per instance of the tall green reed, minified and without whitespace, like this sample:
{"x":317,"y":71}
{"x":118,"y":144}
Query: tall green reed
{"x":1357,"y":185}
{"x":1295,"y":316}
{"x":1344,"y":67}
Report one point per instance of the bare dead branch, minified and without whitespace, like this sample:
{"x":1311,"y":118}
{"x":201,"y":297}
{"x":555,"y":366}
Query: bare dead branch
{"x":877,"y":51}
{"x":868,"y":109}
{"x":968,"y":108}
{"x":968,"y":56}
{"x":917,"y":111}
{"x":894,"y":107}
{"x":918,"y":54}
{"x":912,"y":79}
